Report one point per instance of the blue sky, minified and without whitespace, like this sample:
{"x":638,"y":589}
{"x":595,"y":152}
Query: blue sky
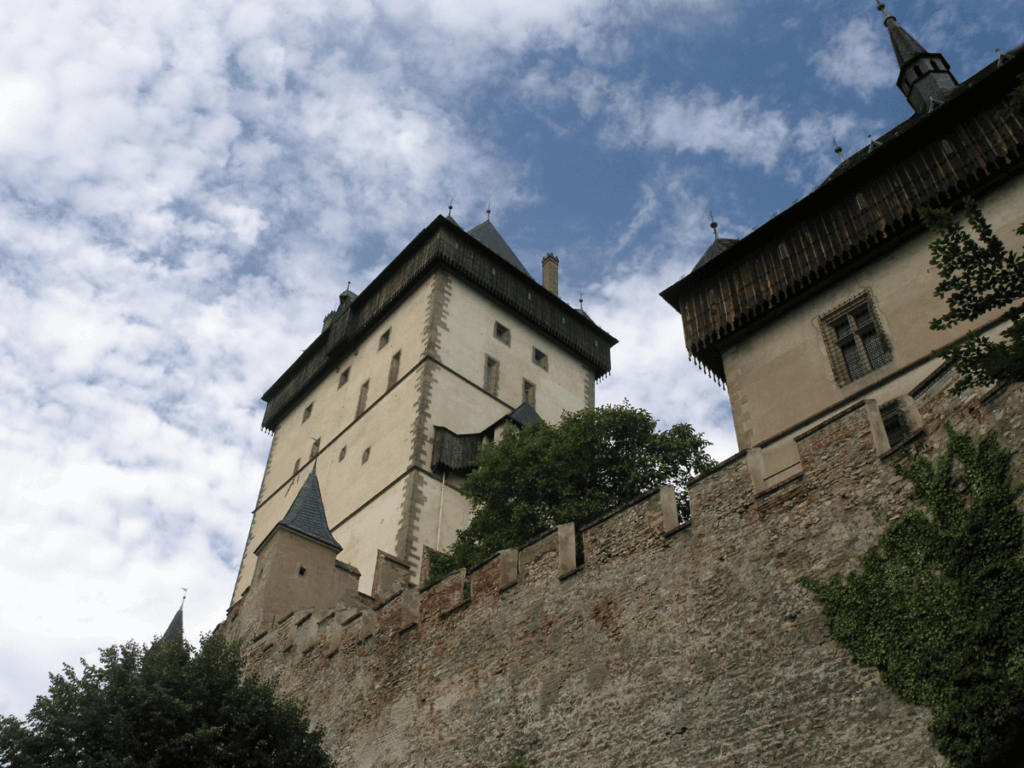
{"x":186,"y":187}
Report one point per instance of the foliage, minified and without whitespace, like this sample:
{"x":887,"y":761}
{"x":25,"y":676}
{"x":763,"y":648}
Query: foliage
{"x":167,"y":705}
{"x":939,"y":607}
{"x":595,"y":460}
{"x":978,"y":276}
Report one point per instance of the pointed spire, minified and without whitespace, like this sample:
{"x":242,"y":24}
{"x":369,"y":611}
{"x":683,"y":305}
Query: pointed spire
{"x":306,"y":515}
{"x":925,"y":78}
{"x":175,"y":631}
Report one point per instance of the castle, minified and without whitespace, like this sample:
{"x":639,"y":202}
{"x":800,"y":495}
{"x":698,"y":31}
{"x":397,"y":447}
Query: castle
{"x":672,"y":645}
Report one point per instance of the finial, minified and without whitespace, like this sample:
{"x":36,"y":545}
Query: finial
{"x":1000,"y":59}
{"x":347,"y":287}
{"x":450,"y":203}
{"x":488,"y":211}
{"x":839,"y":150}
{"x":184,"y":591}
{"x":581,"y":301}
{"x":714,"y":224}
{"x":881,"y":7}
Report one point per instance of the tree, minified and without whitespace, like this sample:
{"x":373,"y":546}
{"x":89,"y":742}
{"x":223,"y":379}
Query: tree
{"x":978,"y":276}
{"x":939,"y":606}
{"x":166,"y":705}
{"x":593,"y":461}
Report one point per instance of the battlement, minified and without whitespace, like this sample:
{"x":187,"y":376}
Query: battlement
{"x":667,"y":645}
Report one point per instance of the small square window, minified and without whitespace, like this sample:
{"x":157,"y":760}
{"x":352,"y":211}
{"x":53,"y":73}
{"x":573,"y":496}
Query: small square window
{"x":344,"y":450}
{"x":306,"y":413}
{"x":343,"y":379}
{"x":853,"y":336}
{"x":897,"y":426}
{"x":502,"y":334}
{"x":491,"y":376}
{"x":539,"y":358}
{"x":529,"y":393}
{"x":366,"y":455}
{"x":384,"y":339}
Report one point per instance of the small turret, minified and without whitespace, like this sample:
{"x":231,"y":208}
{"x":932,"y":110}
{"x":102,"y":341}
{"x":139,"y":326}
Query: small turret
{"x":925,"y":78}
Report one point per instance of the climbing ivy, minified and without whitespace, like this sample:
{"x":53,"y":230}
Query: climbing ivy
{"x":939,"y":606}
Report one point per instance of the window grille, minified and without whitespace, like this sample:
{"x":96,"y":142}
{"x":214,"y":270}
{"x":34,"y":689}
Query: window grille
{"x":897,"y":426}
{"x":854,"y":338}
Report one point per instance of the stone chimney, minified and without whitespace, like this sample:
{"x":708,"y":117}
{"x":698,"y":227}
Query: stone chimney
{"x":550,"y":267}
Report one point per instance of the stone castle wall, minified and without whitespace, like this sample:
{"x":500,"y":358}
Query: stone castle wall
{"x":669,"y":646}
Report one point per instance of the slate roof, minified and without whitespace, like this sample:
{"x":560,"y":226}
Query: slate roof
{"x":175,"y":630}
{"x":306,"y":515}
{"x":458,"y":452}
{"x":487,"y":235}
{"x":523,"y":416}
{"x":903,"y":43}
{"x":720,"y":245}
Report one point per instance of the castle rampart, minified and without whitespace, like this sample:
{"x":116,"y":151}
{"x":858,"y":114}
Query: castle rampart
{"x":670,"y":645}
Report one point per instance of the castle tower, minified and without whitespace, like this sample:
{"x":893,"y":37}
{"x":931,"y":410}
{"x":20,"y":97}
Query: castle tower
{"x":453,"y":337}
{"x":827,"y":306}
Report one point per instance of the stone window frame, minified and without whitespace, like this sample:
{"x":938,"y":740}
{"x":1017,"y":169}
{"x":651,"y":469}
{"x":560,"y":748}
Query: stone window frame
{"x":364,"y":394}
{"x":540,"y":359}
{"x":344,"y":450}
{"x":307,"y":413}
{"x":530,"y":393}
{"x":895,"y":421}
{"x":503,"y":334}
{"x":396,"y":362}
{"x":343,"y":378}
{"x":491,"y":369}
{"x":315,"y":449}
{"x":366,"y":454}
{"x":384,"y":339}
{"x":854,"y":338}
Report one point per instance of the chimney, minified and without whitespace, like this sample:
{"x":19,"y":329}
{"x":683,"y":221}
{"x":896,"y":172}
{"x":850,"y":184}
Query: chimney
{"x":550,"y":267}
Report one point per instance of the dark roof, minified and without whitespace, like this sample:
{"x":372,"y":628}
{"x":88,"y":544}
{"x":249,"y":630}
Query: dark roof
{"x":903,"y":43}
{"x":453,"y":221}
{"x":487,"y":235}
{"x":306,"y":515}
{"x":720,"y":245}
{"x":175,"y":630}
{"x":523,"y":415}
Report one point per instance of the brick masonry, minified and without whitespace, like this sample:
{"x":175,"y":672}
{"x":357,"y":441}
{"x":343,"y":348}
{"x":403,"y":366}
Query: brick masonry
{"x":669,"y":646}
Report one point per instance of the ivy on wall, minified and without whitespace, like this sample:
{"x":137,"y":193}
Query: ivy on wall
{"x":939,"y":606}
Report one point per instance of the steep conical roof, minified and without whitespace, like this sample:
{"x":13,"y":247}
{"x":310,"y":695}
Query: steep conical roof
{"x":306,"y":515}
{"x":486,"y":233}
{"x":903,"y":43}
{"x":925,"y":78}
{"x":720,"y":245}
{"x":175,"y":631}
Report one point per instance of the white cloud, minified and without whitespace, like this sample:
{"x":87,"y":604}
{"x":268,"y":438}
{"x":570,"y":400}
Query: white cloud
{"x":857,"y":57}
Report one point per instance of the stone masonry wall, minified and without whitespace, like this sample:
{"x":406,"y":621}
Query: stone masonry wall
{"x":669,"y":646}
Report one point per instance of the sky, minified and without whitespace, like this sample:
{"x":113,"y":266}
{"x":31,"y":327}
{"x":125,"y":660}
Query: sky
{"x":186,"y":187}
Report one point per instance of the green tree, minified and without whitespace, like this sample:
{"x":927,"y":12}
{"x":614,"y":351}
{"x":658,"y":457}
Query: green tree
{"x":939,"y":606}
{"x":978,"y":275}
{"x":166,"y":705}
{"x":593,"y":461}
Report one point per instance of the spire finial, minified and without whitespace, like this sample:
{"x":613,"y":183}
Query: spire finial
{"x":881,"y":7}
{"x":184,"y":594}
{"x":581,"y":301}
{"x":714,"y":224}
{"x":349,"y":286}
{"x":450,"y":204}
{"x":838,"y":150}
{"x":488,"y":211}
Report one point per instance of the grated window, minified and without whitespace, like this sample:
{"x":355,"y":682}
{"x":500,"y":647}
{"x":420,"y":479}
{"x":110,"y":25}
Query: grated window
{"x":856,"y":345}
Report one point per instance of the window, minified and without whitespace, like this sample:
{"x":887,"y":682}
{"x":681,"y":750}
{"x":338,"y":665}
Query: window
{"x":491,"y":376}
{"x":502,"y":334}
{"x":343,"y":379}
{"x":384,"y":339}
{"x":855,"y":342}
{"x":539,"y":358}
{"x":366,"y":455}
{"x":364,"y":392}
{"x":307,"y":412}
{"x":896,"y":423}
{"x":344,"y":450}
{"x":529,"y":393}
{"x":393,"y":372}
{"x":298,"y":463}
{"x":314,"y":450}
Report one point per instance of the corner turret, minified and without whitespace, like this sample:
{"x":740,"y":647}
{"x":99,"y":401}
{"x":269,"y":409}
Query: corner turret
{"x":925,"y":79}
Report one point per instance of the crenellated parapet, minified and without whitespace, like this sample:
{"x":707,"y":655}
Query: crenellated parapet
{"x":657,"y":644}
